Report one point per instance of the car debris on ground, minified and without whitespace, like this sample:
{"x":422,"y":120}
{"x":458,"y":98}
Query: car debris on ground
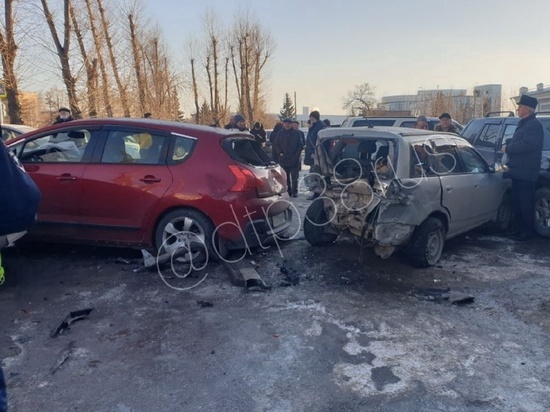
{"x":70,"y":318}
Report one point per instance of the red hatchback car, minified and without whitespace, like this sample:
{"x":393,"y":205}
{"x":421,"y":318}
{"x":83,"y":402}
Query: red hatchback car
{"x":152,"y":183}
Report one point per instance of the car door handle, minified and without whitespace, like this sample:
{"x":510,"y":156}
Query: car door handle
{"x":66,"y":177}
{"x":448,"y":188}
{"x":476,"y":185}
{"x":150,"y":179}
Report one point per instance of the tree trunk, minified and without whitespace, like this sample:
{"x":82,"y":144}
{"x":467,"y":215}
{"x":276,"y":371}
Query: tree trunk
{"x":63,"y":53}
{"x":8,"y":49}
{"x":137,"y":65}
{"x":91,"y":68}
{"x":102,"y":70}
{"x":195,"y":91}
{"x":121,"y":88}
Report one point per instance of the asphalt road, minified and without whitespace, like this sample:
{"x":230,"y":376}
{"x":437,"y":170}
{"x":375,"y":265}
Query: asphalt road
{"x":339,"y":330}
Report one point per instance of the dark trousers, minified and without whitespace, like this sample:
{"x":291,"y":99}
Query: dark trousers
{"x":292,"y":178}
{"x":523,"y":206}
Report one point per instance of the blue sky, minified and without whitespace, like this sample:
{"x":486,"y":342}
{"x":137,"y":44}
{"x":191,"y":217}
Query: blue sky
{"x":325,"y":48}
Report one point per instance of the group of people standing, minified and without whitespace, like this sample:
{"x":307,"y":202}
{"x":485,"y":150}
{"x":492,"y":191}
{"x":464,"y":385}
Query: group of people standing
{"x":287,"y":142}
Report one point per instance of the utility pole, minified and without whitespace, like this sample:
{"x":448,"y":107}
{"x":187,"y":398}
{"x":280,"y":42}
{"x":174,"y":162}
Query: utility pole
{"x":295,"y":107}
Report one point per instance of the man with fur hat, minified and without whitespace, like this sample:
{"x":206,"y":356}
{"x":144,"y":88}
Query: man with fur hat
{"x":286,"y":151}
{"x":524,"y":157}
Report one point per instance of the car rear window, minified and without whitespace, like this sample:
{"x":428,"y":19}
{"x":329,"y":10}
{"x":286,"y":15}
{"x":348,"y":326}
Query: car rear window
{"x":373,"y":122}
{"x":246,"y":151}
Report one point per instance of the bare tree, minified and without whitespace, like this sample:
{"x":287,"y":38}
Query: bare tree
{"x":8,"y":50}
{"x":251,"y":49}
{"x":90,"y":63}
{"x":360,"y":101}
{"x":102,"y":69}
{"x":191,"y":51}
{"x":114,"y":66}
{"x":63,"y":52}
{"x":136,"y":54}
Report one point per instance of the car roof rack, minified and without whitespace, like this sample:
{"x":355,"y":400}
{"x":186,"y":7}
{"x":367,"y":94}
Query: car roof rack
{"x":510,"y":113}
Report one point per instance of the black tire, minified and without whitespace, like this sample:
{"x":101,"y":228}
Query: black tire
{"x":504,"y":214}
{"x":427,"y":243}
{"x":186,"y":228}
{"x":542,"y":211}
{"x":315,"y":223}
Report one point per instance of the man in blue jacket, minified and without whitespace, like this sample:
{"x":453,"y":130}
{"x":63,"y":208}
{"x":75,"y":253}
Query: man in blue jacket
{"x":525,"y":153}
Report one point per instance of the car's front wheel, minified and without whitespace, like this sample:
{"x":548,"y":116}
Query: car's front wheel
{"x":542,"y":211}
{"x":187,"y":234}
{"x":426,"y":246}
{"x":315,"y":224}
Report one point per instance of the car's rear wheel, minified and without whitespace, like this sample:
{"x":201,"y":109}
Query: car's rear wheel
{"x":315,"y":223}
{"x":427,"y":243}
{"x":504,"y":214}
{"x":187,"y":234}
{"x":542,"y":211}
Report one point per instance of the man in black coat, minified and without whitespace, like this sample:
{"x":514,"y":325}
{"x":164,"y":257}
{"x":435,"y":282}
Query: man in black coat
{"x":286,"y":151}
{"x":525,"y":154}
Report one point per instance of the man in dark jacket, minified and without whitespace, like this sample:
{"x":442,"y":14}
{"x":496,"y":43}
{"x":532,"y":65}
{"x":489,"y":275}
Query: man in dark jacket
{"x":525,"y":153}
{"x":286,"y":151}
{"x":63,"y":116}
{"x":311,"y":139}
{"x":446,"y":124}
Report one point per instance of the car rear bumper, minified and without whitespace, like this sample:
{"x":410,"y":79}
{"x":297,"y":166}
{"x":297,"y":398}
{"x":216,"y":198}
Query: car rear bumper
{"x":261,"y":231}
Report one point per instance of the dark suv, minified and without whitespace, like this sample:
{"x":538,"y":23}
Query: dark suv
{"x":487,"y":135}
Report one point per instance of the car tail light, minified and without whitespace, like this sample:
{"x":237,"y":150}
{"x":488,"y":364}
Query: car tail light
{"x":246,"y":180}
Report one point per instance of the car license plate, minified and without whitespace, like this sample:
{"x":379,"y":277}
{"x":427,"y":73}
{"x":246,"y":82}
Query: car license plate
{"x":278,"y":220}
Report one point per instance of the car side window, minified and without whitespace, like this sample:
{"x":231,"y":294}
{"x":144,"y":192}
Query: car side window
{"x":509,"y":131}
{"x":445,"y":160}
{"x":133,"y":147}
{"x":60,"y":147}
{"x":488,"y":136}
{"x":182,"y":149}
{"x":472,"y":131}
{"x":408,"y":124}
{"x":473,"y":162}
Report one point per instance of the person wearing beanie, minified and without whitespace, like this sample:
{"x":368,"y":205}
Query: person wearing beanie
{"x":237,"y":122}
{"x":421,"y":122}
{"x":445,"y":124}
{"x":524,"y":152}
{"x":63,"y":116}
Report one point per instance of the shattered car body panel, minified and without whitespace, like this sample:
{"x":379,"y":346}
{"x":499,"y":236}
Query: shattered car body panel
{"x":381,"y":184}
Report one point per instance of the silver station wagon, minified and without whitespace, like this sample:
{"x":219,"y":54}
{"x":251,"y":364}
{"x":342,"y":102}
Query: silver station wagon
{"x":402,"y":188}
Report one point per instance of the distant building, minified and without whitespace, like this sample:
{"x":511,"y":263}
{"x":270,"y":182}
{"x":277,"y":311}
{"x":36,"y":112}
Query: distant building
{"x":541,"y":93}
{"x":485,"y":98}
